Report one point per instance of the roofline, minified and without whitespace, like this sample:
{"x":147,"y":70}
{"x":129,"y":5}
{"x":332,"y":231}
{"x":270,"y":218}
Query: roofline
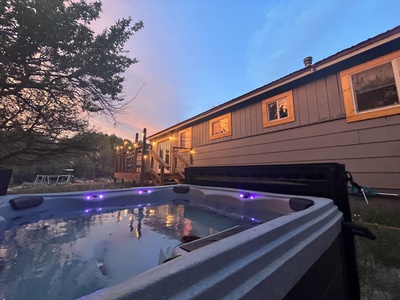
{"x":364,"y":46}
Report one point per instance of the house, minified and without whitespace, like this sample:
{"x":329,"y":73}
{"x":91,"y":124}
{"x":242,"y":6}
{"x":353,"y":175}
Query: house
{"x":344,"y":108}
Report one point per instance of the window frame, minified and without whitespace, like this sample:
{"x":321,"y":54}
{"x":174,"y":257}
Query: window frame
{"x":290,"y":118}
{"x":191,"y":138}
{"x":220,"y":135}
{"x":348,"y":92}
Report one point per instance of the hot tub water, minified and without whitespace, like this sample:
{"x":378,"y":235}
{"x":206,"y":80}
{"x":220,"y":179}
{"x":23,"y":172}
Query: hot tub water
{"x":66,"y":258}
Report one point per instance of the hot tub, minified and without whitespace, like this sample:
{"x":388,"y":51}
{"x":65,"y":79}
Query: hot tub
{"x":265,"y":258}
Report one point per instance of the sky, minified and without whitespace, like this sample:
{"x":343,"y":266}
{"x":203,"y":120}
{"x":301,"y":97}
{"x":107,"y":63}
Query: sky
{"x":197,"y":54}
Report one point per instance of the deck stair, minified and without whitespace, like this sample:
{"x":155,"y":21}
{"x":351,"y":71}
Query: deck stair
{"x":169,"y":179}
{"x":142,"y":164}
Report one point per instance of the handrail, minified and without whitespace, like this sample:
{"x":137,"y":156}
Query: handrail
{"x":158,"y":159}
{"x":161,"y":163}
{"x":155,"y":174}
{"x":181,"y":158}
{"x":186,"y":163}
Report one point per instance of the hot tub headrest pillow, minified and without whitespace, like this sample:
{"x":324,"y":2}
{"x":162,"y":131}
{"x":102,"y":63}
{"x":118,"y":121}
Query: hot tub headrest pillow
{"x":24,"y":202}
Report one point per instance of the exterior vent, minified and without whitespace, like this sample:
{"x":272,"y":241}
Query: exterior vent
{"x":308,"y":61}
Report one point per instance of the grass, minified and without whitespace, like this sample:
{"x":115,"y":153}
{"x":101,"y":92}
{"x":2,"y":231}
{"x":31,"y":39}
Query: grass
{"x":379,"y":260}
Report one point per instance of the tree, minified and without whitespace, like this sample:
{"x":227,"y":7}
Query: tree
{"x":56,"y":73}
{"x":99,"y":162}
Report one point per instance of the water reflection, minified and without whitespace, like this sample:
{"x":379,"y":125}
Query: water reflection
{"x":54,"y":254}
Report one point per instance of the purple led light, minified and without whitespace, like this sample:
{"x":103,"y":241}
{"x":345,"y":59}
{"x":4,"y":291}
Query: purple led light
{"x":87,"y":210}
{"x":144,"y":192}
{"x":101,"y":196}
{"x":87,"y":197}
{"x":241,"y":195}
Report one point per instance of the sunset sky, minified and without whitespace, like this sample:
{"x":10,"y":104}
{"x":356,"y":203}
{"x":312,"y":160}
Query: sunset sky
{"x":196,"y":54}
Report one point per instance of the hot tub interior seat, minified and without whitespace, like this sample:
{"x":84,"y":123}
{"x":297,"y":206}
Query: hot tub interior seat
{"x":188,"y":247}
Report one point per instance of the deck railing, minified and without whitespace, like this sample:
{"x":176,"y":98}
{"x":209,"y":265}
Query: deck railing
{"x":181,"y":163}
{"x":129,"y":162}
{"x":156,"y":160}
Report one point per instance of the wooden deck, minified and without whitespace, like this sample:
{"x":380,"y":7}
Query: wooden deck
{"x":143,"y":165}
{"x":127,"y":176}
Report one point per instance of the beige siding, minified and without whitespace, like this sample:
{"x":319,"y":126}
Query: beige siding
{"x":315,"y":102}
{"x":370,"y":149}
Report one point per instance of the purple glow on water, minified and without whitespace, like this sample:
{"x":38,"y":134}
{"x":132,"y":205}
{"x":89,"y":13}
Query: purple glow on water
{"x":88,"y":210}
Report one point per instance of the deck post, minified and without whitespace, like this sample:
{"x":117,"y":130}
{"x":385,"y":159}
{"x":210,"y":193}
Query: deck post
{"x":135,"y":147}
{"x":124,"y":156}
{"x":143,"y":162}
{"x":116,"y":160}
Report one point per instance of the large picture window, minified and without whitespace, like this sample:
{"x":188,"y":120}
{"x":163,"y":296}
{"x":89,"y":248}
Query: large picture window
{"x":220,"y":126}
{"x":371,"y":90}
{"x":278,"y":109}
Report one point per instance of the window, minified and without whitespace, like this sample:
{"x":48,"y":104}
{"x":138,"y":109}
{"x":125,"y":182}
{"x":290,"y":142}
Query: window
{"x":278,"y":109}
{"x":220,"y":127}
{"x":185,"y":138}
{"x":371,"y":90}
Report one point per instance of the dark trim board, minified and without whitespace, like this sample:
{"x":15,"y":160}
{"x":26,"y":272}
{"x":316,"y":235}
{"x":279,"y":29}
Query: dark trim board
{"x":320,"y":180}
